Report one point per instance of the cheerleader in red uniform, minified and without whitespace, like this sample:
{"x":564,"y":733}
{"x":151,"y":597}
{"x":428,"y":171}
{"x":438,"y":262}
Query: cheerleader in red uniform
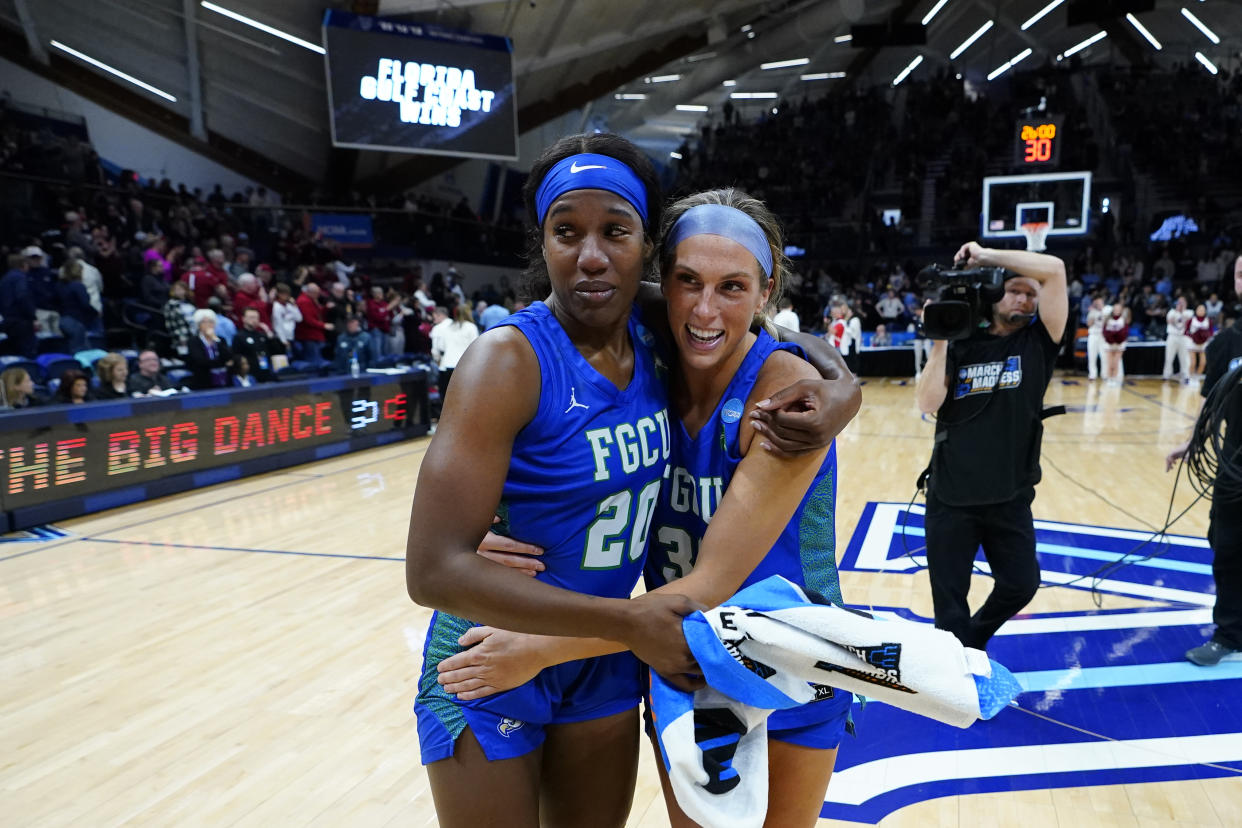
{"x":1116,"y":331}
{"x":1198,"y":331}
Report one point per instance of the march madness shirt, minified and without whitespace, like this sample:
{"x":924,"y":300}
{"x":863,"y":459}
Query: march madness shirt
{"x":988,"y":431}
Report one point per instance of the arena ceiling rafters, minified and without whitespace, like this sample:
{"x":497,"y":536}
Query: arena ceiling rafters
{"x":646,"y":68}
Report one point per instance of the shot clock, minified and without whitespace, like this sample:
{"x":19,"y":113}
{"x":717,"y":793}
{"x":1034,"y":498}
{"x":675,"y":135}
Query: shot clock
{"x":1038,"y":142}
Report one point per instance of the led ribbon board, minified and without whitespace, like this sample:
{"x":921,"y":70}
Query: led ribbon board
{"x":413,"y":87}
{"x":61,"y":461}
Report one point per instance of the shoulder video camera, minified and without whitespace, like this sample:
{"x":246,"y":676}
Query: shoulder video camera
{"x":963,"y":298}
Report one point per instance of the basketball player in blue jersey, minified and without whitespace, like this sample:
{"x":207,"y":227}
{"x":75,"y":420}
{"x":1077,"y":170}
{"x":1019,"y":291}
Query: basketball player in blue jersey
{"x":557,"y":422}
{"x":731,"y":514}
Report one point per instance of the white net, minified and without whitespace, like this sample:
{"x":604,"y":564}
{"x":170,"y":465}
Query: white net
{"x":1036,"y":235}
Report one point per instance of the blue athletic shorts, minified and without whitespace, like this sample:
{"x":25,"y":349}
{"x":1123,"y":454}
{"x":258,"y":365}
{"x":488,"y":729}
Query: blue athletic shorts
{"x":820,"y":724}
{"x":512,"y":723}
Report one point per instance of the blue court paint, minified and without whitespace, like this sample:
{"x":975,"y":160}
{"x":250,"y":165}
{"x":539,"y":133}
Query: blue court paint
{"x":1129,"y":675}
{"x":36,"y":534}
{"x":1110,"y":699}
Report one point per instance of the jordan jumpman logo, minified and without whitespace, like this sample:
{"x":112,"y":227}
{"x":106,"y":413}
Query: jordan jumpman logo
{"x":573,"y":402}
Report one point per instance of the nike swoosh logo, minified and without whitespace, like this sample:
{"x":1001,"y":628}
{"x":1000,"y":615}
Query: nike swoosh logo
{"x":574,"y":168}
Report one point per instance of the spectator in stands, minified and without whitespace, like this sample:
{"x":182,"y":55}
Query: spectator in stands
{"x":881,"y":337}
{"x":78,"y":234}
{"x":891,"y":308}
{"x":92,"y":279}
{"x":156,"y":246}
{"x":1214,"y":307}
{"x":353,"y":344}
{"x":113,"y":373}
{"x":285,"y":315}
{"x":379,"y":311}
{"x":396,"y":331}
{"x":178,"y":316}
{"x":209,"y":357}
{"x":250,"y":294}
{"x":341,"y":270}
{"x":310,"y":333}
{"x":242,"y":258}
{"x":17,"y":307}
{"x":17,"y":390}
{"x":149,"y":377}
{"x":449,"y":341}
{"x":339,"y":305}
{"x":226,"y":328}
{"x":787,"y":317}
{"x":42,"y":280}
{"x":77,"y":316}
{"x":454,"y":288}
{"x":241,"y":372}
{"x":253,"y":342}
{"x":422,"y":297}
{"x":74,"y":388}
{"x":154,"y":291}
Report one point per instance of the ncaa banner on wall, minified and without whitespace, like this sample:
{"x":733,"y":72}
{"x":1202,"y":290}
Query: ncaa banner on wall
{"x":346,"y":229}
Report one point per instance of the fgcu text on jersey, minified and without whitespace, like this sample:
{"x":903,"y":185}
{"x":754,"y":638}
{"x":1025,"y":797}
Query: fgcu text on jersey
{"x":982,"y":377}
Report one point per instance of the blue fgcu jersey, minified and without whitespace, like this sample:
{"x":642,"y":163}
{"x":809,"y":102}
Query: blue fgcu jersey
{"x":805,"y":553}
{"x":702,"y":468}
{"x":584,"y":478}
{"x":585,"y":474}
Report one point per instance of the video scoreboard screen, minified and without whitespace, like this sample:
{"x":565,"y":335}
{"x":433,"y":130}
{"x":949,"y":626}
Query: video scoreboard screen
{"x":414,"y":87}
{"x":1039,"y":142}
{"x":86,"y":453}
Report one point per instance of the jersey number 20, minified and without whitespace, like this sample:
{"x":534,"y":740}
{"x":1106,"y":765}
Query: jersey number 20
{"x":607,"y":536}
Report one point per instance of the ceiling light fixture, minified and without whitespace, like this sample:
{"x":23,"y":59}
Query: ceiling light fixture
{"x":113,"y":71}
{"x":968,"y":42}
{"x":927,"y":18}
{"x":1155,"y":44}
{"x":1041,"y":14}
{"x":1095,"y":38}
{"x":1009,"y":64}
{"x":263,"y":27}
{"x":785,"y":64}
{"x":909,"y":68}
{"x":1201,"y":26}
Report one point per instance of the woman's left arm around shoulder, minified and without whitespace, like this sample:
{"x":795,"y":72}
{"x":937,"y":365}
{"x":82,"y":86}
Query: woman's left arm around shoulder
{"x":807,"y":414}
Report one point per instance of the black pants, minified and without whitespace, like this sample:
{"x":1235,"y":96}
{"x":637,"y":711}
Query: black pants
{"x":1225,"y":536}
{"x":22,"y":334}
{"x":1006,"y":531}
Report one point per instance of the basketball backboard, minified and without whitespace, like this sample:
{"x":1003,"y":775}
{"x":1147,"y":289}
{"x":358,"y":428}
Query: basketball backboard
{"x":1063,"y":200}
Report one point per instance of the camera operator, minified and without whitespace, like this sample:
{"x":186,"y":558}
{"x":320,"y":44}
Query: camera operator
{"x":1224,"y":355}
{"x":987,"y":392}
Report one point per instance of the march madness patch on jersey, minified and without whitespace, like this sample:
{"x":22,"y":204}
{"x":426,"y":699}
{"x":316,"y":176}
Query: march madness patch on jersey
{"x":982,"y":377}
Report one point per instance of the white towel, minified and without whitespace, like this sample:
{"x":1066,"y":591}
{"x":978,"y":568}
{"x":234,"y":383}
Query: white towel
{"x":769,"y":648}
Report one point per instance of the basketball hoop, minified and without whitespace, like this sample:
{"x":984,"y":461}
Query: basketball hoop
{"x":1036,"y":233}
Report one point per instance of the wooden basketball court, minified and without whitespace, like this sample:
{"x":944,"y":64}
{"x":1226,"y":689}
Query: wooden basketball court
{"x":246,"y":654}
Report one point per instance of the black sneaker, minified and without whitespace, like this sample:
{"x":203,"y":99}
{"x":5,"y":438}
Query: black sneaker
{"x":1209,"y":654}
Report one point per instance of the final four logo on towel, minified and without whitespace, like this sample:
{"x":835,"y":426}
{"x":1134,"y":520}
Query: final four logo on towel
{"x":982,"y":377}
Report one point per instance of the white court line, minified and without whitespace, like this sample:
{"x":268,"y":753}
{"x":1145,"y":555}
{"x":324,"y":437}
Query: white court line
{"x":856,"y":785}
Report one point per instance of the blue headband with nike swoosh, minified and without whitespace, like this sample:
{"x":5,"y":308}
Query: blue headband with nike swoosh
{"x":729,"y":222}
{"x":590,"y":171}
